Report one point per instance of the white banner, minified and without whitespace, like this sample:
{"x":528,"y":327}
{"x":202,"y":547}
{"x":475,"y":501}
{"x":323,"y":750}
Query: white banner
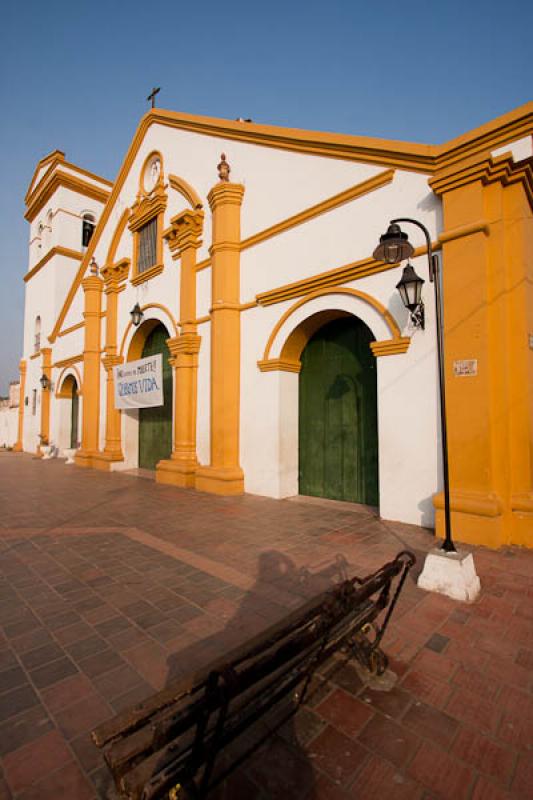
{"x":139,"y":384}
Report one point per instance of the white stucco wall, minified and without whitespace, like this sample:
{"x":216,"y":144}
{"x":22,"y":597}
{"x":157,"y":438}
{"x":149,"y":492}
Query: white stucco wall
{"x":8,"y":426}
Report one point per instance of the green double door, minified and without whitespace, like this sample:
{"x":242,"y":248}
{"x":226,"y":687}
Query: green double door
{"x":338,"y":437}
{"x":155,"y":424}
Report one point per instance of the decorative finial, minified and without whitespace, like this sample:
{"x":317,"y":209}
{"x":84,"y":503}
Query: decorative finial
{"x":224,"y":168}
{"x":93,"y":267}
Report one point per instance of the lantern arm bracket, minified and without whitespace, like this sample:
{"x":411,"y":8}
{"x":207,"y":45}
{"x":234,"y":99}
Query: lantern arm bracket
{"x":432,"y":258}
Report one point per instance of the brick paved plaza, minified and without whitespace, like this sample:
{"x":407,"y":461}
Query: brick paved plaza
{"x":112,"y":585}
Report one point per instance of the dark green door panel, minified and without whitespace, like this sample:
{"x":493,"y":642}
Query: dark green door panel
{"x":155,"y":424}
{"x":338,"y":439}
{"x":74,"y":416}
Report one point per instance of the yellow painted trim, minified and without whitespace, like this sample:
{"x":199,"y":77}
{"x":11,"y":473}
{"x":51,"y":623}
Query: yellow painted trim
{"x":522,"y":503}
{"x":68,"y":362}
{"x":60,"y":393}
{"x":45,"y":396}
{"x":478,"y":503}
{"x":391,"y":347}
{"x":117,"y":235}
{"x":340,"y":199}
{"x":346,"y":196}
{"x":130,"y":325}
{"x":72,"y":328}
{"x":51,"y":182}
{"x":464,"y":230}
{"x":382,"y":311}
{"x":279,"y":365}
{"x":92,"y":288}
{"x":35,"y":355}
{"x":186,"y":190}
{"x":54,"y":251}
{"x":149,"y":157}
{"x":57,"y":156}
{"x":331,"y":278}
{"x":224,"y":475}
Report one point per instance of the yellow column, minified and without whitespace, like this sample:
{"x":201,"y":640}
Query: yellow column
{"x":46,"y":353}
{"x":224,"y":474}
{"x":92,"y":287}
{"x":18,"y":446}
{"x":485,"y":280}
{"x":114,"y":276}
{"x":184,"y":239}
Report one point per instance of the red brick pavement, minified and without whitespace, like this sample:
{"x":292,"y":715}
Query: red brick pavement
{"x":110,"y":585}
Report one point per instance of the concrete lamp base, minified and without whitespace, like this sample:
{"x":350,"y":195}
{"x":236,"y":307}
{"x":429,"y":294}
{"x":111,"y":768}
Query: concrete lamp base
{"x":452,"y":574}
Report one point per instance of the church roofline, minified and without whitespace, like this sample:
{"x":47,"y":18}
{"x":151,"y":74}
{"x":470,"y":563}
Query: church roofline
{"x":425,"y":158}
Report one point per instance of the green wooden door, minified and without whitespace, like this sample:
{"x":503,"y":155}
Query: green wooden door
{"x":155,"y":424}
{"x":74,"y":416}
{"x":338,"y":438}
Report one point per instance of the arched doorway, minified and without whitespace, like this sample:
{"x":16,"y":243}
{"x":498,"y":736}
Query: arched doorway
{"x":155,"y":424}
{"x":338,"y":437}
{"x":67,"y":432}
{"x":74,"y":413}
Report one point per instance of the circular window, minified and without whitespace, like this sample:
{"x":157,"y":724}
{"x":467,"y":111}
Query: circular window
{"x":152,"y":172}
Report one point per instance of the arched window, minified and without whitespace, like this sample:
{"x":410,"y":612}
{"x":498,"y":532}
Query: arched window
{"x":37,"y":339}
{"x":88,"y":223}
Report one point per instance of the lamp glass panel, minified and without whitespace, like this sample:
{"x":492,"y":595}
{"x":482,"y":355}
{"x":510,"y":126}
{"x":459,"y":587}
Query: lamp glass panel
{"x":403,"y":294}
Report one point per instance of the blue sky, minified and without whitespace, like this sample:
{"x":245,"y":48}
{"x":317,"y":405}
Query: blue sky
{"x":75,"y":76}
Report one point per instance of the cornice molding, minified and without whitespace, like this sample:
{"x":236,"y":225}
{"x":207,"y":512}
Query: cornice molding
{"x":391,"y":347}
{"x":157,"y":269}
{"x":54,"y":251}
{"x":488,"y":170}
{"x":115,"y":274}
{"x":279,"y":365}
{"x":146,"y":208}
{"x":185,"y":231}
{"x":225,"y":193}
{"x":55,"y":178}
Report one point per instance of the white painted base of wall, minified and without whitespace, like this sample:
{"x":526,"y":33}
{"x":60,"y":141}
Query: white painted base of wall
{"x":452,"y":574}
{"x":69,"y":453}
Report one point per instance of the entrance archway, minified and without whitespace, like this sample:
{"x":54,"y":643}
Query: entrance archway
{"x":338,"y":436}
{"x":155,"y":424}
{"x":68,"y":432}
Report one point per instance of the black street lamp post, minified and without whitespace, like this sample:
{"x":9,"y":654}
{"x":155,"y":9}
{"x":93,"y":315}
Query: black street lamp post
{"x":394,"y":246}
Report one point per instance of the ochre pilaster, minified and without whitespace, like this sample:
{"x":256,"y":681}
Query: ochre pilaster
{"x":487,"y":283}
{"x":114,"y":276}
{"x":92,"y":288}
{"x":224,"y":474}
{"x":183,"y":238}
{"x":46,"y":367}
{"x":18,"y":446}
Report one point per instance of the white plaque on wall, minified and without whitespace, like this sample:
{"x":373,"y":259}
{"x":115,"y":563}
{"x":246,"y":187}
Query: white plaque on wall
{"x":464,"y":367}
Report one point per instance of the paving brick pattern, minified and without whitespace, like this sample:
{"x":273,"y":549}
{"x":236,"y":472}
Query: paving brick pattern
{"x":111,"y":586}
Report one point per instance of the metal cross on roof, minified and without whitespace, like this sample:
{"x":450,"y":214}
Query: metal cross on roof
{"x":152,"y":95}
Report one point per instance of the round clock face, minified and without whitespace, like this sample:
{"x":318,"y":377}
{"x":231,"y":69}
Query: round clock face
{"x":152,"y":172}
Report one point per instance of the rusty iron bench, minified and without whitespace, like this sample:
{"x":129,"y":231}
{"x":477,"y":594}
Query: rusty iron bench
{"x":169,"y":745}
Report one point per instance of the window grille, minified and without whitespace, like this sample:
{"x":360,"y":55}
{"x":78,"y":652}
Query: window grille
{"x":147,"y":246}
{"x":34,"y":402}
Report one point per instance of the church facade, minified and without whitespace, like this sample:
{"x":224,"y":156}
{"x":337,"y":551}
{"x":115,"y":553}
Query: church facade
{"x":241,"y":256}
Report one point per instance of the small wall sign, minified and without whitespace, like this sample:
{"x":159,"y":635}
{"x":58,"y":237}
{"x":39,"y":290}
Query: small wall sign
{"x":464,"y":367}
